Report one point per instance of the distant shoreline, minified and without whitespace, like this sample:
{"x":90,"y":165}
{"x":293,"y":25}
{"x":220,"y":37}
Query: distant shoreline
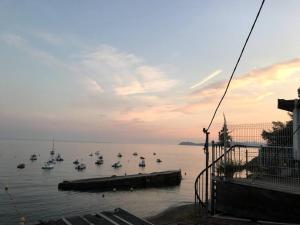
{"x":190,"y":143}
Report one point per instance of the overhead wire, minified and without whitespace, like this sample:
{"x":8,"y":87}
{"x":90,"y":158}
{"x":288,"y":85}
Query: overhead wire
{"x":235,"y":67}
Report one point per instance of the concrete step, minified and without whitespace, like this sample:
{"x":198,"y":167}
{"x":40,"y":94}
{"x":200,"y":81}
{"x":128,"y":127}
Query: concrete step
{"x":117,"y":217}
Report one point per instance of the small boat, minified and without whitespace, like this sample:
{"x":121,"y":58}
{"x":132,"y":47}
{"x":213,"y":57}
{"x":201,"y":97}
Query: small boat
{"x":119,"y":155}
{"x":142,"y":158}
{"x":99,"y":162}
{"x":21,"y":166}
{"x":76,"y":162}
{"x":135,"y":154}
{"x":100,"y":157}
{"x":117,"y":165}
{"x":59,"y":158}
{"x":33,"y":157}
{"x":158,"y":160}
{"x":91,"y":154}
{"x":142,"y":163}
{"x":81,"y":166}
{"x":51,"y":161}
{"x":52,"y":152}
{"x":47,"y":166}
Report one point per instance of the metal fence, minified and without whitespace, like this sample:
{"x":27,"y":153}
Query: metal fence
{"x":263,"y":156}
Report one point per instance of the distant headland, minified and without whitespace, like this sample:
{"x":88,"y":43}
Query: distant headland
{"x":190,"y":143}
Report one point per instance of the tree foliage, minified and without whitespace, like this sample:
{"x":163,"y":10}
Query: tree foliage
{"x":225,"y":138}
{"x":281,"y":133}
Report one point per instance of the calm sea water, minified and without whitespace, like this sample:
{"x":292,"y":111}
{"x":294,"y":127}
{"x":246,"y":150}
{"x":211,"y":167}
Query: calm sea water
{"x":35,"y":192}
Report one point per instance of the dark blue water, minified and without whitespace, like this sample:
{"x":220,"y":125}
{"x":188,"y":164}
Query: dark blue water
{"x":35,"y":192}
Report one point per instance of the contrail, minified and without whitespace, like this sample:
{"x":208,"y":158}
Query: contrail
{"x":216,"y":73}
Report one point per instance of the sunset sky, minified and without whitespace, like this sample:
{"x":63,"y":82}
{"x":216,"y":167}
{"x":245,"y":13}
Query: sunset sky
{"x":142,"y":71}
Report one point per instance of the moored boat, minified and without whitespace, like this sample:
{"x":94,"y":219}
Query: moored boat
{"x":117,"y":165}
{"x":21,"y":166}
{"x":76,"y":162}
{"x":135,"y":153}
{"x":142,"y":163}
{"x":47,"y":166}
{"x":99,"y":162}
{"x":52,"y":152}
{"x":33,"y":157}
{"x":59,"y":158}
{"x":120,"y":155}
{"x":158,"y":160}
{"x":81,"y":166}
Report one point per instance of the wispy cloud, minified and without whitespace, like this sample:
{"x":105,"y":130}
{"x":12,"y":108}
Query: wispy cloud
{"x":93,"y":86}
{"x":209,"y":77}
{"x":125,"y":73}
{"x":50,"y":38}
{"x":147,"y":79}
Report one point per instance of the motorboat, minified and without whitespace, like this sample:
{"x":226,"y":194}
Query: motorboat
{"x":142,"y":163}
{"x":135,"y":153}
{"x":76,"y":162}
{"x":81,"y":166}
{"x":47,"y":166}
{"x":158,"y":160}
{"x":142,"y":158}
{"x":120,"y":155}
{"x":100,"y":157}
{"x":117,"y":165}
{"x":33,"y":157}
{"x":99,"y":162}
{"x":21,"y":166}
{"x":59,"y":158}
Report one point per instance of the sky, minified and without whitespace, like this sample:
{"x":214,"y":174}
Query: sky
{"x":142,"y":71}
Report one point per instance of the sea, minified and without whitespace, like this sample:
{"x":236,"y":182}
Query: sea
{"x":32,"y":192}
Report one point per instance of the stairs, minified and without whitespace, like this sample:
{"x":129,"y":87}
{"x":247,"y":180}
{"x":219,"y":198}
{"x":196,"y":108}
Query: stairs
{"x":117,"y":217}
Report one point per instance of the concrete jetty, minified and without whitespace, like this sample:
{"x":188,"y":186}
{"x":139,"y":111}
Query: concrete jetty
{"x":127,"y":182}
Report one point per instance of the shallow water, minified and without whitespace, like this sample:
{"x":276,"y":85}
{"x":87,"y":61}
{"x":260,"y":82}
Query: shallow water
{"x":35,"y":192}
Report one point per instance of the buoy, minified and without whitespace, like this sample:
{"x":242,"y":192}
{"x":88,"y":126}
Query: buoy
{"x":185,"y":173}
{"x":115,"y":189}
{"x":131,"y":189}
{"x":6,"y":188}
{"x":102,"y":195}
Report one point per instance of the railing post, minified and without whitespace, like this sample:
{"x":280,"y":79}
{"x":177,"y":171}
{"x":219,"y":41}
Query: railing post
{"x":206,"y":164}
{"x":247,"y":166}
{"x":212,"y":186}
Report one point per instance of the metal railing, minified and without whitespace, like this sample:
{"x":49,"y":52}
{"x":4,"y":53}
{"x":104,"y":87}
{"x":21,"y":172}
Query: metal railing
{"x":205,"y":189}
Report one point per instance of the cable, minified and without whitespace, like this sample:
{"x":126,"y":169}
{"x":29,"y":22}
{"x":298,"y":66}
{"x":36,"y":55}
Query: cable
{"x":22,"y":218}
{"x":236,"y":65}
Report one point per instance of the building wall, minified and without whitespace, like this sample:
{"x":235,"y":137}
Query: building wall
{"x":257,"y":203}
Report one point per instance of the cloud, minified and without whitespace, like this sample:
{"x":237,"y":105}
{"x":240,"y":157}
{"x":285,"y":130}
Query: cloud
{"x":125,"y":73}
{"x":209,"y":77}
{"x":246,"y":91}
{"x":50,"y":38}
{"x":14,"y":40}
{"x":258,"y":79}
{"x":93,"y":87}
{"x":147,"y":79}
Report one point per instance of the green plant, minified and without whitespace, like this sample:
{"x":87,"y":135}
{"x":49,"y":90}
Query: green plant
{"x":229,"y":167}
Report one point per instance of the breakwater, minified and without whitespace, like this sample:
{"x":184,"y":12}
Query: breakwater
{"x":126,"y":182}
